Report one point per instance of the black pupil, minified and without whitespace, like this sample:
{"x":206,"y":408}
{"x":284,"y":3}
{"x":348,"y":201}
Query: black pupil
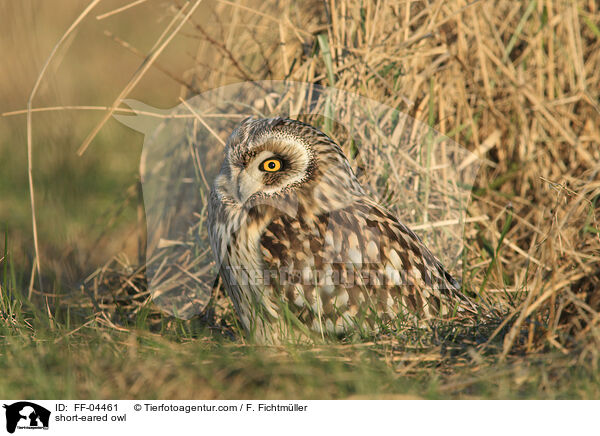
{"x":271,"y":165}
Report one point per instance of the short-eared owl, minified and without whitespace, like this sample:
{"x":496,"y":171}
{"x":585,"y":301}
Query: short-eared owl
{"x":299,"y":242}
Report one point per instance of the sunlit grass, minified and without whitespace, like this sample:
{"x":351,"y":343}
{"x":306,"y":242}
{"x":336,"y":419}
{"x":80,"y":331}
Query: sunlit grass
{"x":515,"y":83}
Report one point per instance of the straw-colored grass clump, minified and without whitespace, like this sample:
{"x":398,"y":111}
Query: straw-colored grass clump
{"x":515,"y":83}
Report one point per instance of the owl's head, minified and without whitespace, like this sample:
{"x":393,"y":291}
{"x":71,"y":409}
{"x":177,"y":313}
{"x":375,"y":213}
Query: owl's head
{"x":275,"y":157}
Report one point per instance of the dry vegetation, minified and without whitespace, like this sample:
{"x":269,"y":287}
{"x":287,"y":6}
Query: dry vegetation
{"x":516,"y":83}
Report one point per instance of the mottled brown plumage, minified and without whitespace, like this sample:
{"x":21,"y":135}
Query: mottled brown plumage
{"x":307,"y":242}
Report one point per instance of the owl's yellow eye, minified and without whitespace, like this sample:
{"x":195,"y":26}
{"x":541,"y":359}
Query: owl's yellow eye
{"x":271,"y":165}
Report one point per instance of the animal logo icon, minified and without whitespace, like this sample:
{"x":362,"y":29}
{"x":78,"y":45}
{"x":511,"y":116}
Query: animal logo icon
{"x":25,"y":414}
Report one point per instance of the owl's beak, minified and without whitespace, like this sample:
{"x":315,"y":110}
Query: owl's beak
{"x":246,"y":186}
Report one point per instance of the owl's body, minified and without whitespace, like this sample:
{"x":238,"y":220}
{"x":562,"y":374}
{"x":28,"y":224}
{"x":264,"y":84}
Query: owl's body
{"x":300,"y":243}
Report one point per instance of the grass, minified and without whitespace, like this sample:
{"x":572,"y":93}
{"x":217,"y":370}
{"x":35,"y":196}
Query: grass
{"x":84,"y":355}
{"x":515,"y":83}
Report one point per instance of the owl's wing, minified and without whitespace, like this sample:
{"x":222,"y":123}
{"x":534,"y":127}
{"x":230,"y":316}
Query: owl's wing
{"x":367,"y":240}
{"x":406,"y":252}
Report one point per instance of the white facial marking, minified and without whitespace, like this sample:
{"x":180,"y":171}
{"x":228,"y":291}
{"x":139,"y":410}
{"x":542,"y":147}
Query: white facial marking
{"x":250,"y":180}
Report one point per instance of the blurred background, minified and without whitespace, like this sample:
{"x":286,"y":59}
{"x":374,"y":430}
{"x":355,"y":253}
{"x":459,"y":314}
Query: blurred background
{"x":87,"y":206}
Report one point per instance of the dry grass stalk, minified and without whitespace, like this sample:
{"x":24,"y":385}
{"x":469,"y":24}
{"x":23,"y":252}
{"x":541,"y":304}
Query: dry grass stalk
{"x":30,"y":145}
